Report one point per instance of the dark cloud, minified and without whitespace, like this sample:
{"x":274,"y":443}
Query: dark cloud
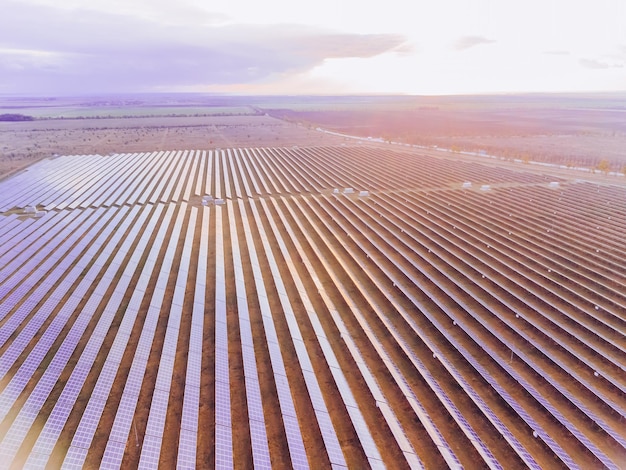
{"x":467,"y":42}
{"x":81,"y":51}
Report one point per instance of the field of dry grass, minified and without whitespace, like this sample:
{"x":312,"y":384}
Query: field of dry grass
{"x":22,"y":143}
{"x":573,"y":130}
{"x":577,"y":131}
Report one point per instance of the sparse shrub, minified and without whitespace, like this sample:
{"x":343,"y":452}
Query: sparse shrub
{"x":604,"y":166}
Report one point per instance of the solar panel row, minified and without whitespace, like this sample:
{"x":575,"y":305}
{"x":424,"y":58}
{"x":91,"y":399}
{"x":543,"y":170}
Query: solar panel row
{"x":158,"y":409}
{"x":223,"y":429}
{"x":294,"y":437}
{"x":177,"y":195}
{"x":70,"y":265}
{"x":225,"y":167}
{"x":391,"y":419}
{"x":217,"y":174}
{"x":53,"y":427}
{"x":328,"y":432}
{"x":260,"y":175}
{"x":522,"y":451}
{"x":240,"y":170}
{"x":546,"y":314}
{"x":15,"y":350}
{"x":191,"y":177}
{"x":28,"y":253}
{"x":209,"y":175}
{"x":458,"y":416}
{"x":153,"y":192}
{"x":553,"y":297}
{"x":233,"y":168}
{"x":128,"y":402}
{"x":258,"y":436}
{"x":361,"y":428}
{"x":95,"y":406}
{"x":202,"y":159}
{"x":57,"y":418}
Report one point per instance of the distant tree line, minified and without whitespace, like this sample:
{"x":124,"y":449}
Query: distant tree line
{"x":142,"y":116}
{"x":16,"y":117}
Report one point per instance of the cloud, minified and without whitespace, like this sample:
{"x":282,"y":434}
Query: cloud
{"x":596,"y":64}
{"x":405,"y":49}
{"x":556,"y":52}
{"x":467,"y":42}
{"x":81,"y":51}
{"x":593,"y":64}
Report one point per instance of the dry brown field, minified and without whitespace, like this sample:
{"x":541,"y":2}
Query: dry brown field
{"x":22,"y":143}
{"x":460,"y":313}
{"x":578,"y":132}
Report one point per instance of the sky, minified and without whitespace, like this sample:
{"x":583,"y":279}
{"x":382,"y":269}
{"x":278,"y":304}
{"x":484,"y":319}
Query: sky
{"x":317,"y":47}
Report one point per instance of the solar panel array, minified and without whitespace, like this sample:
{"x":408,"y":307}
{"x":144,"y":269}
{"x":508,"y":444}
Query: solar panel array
{"x":410,"y":323}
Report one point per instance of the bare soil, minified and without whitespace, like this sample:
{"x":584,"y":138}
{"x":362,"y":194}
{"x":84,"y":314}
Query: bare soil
{"x":556,"y":134}
{"x":22,"y":143}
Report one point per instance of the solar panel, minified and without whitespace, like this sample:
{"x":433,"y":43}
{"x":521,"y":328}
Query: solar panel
{"x":209,"y":174}
{"x":153,"y":176}
{"x":481,"y":447}
{"x":156,"y":188}
{"x":191,"y":178}
{"x":237,"y":159}
{"x":259,"y":439}
{"x":357,"y":419}
{"x":186,"y":450}
{"x":182,"y":177}
{"x":252,"y":154}
{"x":191,"y":399}
{"x":200,"y":175}
{"x":172,"y":176}
{"x":232,"y":165}
{"x":225,"y":174}
{"x":45,"y":384}
{"x":253,"y":176}
{"x":522,"y":452}
{"x":294,"y":438}
{"x":113,"y":455}
{"x":75,"y":458}
{"x":160,"y":397}
{"x":95,"y":406}
{"x":134,"y":182}
{"x":145,"y":173}
{"x":223,"y":444}
{"x":328,"y":433}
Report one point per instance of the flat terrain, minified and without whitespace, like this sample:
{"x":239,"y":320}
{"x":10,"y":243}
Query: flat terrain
{"x":22,"y":143}
{"x":458,"y":313}
{"x":571,"y":130}
{"x":576,"y":130}
{"x":347,"y":301}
